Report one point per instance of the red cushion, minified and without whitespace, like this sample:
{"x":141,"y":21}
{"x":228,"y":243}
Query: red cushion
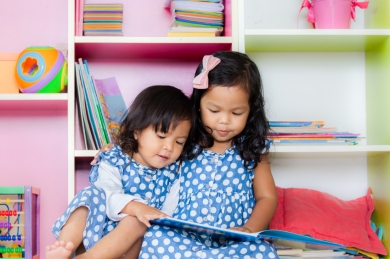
{"x":323,"y":216}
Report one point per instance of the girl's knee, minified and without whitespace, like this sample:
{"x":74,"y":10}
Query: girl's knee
{"x":133,"y":225}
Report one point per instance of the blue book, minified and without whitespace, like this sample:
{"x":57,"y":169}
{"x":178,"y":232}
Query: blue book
{"x":279,"y":237}
{"x":296,"y":123}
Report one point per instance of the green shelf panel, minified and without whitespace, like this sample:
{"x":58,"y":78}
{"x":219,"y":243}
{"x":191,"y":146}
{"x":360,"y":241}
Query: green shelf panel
{"x":313,"y":40}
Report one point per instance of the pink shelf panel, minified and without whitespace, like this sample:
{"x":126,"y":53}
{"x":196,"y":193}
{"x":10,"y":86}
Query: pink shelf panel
{"x":33,"y":105}
{"x":148,"y":50}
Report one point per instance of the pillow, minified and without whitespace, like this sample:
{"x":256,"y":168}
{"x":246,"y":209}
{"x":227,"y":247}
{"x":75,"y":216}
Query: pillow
{"x":323,"y":216}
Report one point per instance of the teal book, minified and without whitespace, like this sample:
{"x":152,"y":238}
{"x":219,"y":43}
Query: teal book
{"x":278,"y":237}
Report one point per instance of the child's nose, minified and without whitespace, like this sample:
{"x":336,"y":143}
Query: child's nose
{"x":168,"y":146}
{"x":224,"y":119}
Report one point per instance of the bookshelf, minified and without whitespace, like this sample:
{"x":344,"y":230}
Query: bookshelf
{"x":335,"y":75}
{"x":143,"y":56}
{"x":340,"y":76}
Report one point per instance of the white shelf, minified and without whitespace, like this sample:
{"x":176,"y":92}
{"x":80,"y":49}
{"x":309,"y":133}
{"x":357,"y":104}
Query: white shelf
{"x":85,"y":153}
{"x":328,"y":151}
{"x":309,"y":40}
{"x":299,"y":151}
{"x":56,"y":101}
{"x":154,"y":40}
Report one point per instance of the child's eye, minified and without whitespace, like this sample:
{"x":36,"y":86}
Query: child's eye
{"x":237,"y":114}
{"x":213,"y":111}
{"x":160,"y":136}
{"x":180,"y":143}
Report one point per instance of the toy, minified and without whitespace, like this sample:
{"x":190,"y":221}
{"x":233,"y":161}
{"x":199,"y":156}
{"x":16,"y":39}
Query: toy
{"x":41,"y":70}
{"x":19,"y":222}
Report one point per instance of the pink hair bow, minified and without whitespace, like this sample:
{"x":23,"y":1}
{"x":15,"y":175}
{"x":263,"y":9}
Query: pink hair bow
{"x":201,"y":81}
{"x":362,"y":5}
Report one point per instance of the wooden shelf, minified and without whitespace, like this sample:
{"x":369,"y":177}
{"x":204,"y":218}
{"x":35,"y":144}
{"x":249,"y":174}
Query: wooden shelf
{"x":149,"y":47}
{"x":308,"y":40}
{"x":56,"y":101}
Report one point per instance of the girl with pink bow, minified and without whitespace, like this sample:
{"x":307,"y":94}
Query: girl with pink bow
{"x":226,"y":180}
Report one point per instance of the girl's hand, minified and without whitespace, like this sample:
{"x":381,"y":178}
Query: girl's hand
{"x":242,"y":229}
{"x":105,"y":148}
{"x":145,"y":213}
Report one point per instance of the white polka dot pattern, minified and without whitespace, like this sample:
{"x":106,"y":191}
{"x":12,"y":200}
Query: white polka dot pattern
{"x":215,"y":189}
{"x":137,"y":180}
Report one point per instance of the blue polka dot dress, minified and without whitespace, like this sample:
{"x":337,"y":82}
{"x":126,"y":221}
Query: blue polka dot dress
{"x":215,"y":189}
{"x":139,"y":181}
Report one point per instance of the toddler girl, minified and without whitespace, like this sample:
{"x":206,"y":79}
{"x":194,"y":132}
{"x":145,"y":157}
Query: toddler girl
{"x":129,"y":183}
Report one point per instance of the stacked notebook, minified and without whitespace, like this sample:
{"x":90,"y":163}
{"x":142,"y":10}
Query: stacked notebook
{"x":309,"y":133}
{"x":196,"y":18}
{"x":102,"y":20}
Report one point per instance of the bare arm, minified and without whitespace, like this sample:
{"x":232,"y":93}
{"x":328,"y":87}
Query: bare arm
{"x":266,"y":198}
{"x":119,"y":204}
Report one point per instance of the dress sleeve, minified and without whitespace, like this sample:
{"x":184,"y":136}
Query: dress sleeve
{"x":109,"y":180}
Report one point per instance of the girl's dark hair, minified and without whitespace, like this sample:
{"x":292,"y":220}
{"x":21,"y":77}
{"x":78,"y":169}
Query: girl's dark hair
{"x":235,"y":68}
{"x":163,"y":107}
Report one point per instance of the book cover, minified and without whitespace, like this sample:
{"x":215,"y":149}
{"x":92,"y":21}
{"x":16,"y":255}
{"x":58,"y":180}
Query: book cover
{"x":112,"y":104}
{"x":279,"y":237}
{"x":90,"y":119}
{"x":89,"y":140}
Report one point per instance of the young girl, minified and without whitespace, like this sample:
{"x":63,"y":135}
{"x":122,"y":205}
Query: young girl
{"x":227,"y":181}
{"x":129,"y":183}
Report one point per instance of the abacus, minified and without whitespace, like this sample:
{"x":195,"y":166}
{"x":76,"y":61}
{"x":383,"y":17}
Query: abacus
{"x":19,"y":222}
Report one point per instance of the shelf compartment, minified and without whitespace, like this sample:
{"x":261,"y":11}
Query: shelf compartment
{"x":308,"y":40}
{"x":149,"y":47}
{"x":328,"y":151}
{"x":57,"y":101}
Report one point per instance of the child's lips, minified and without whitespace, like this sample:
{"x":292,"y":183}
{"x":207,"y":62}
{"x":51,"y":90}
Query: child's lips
{"x":165,"y":158}
{"x":222,"y":132}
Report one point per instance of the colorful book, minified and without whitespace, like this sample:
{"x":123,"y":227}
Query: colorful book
{"x":112,"y":105}
{"x":302,"y":129}
{"x":89,"y":139}
{"x":279,"y":237}
{"x":319,"y":123}
{"x":191,"y":34}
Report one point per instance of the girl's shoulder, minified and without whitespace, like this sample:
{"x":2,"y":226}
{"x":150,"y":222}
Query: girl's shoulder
{"x":114,"y":156}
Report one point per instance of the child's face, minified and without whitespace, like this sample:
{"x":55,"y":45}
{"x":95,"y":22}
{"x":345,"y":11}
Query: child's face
{"x":156,"y":149}
{"x":225,"y":110}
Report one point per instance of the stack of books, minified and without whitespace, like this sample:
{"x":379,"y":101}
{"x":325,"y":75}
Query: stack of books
{"x":103,"y":19}
{"x":196,"y":18}
{"x":309,"y":133}
{"x":100,"y":105}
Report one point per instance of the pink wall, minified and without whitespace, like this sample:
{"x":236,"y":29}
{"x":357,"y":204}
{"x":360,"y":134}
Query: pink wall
{"x":34,"y":143}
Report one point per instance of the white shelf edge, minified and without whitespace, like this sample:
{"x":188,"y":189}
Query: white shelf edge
{"x":154,"y":40}
{"x":322,"y":32}
{"x":300,"y":151}
{"x":34,"y":97}
{"x":84,"y":153}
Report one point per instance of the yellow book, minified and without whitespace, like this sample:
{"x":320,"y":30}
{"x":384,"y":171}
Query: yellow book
{"x":191,"y":34}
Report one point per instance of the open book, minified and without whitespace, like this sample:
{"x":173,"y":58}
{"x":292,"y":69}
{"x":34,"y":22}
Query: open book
{"x":278,"y":237}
